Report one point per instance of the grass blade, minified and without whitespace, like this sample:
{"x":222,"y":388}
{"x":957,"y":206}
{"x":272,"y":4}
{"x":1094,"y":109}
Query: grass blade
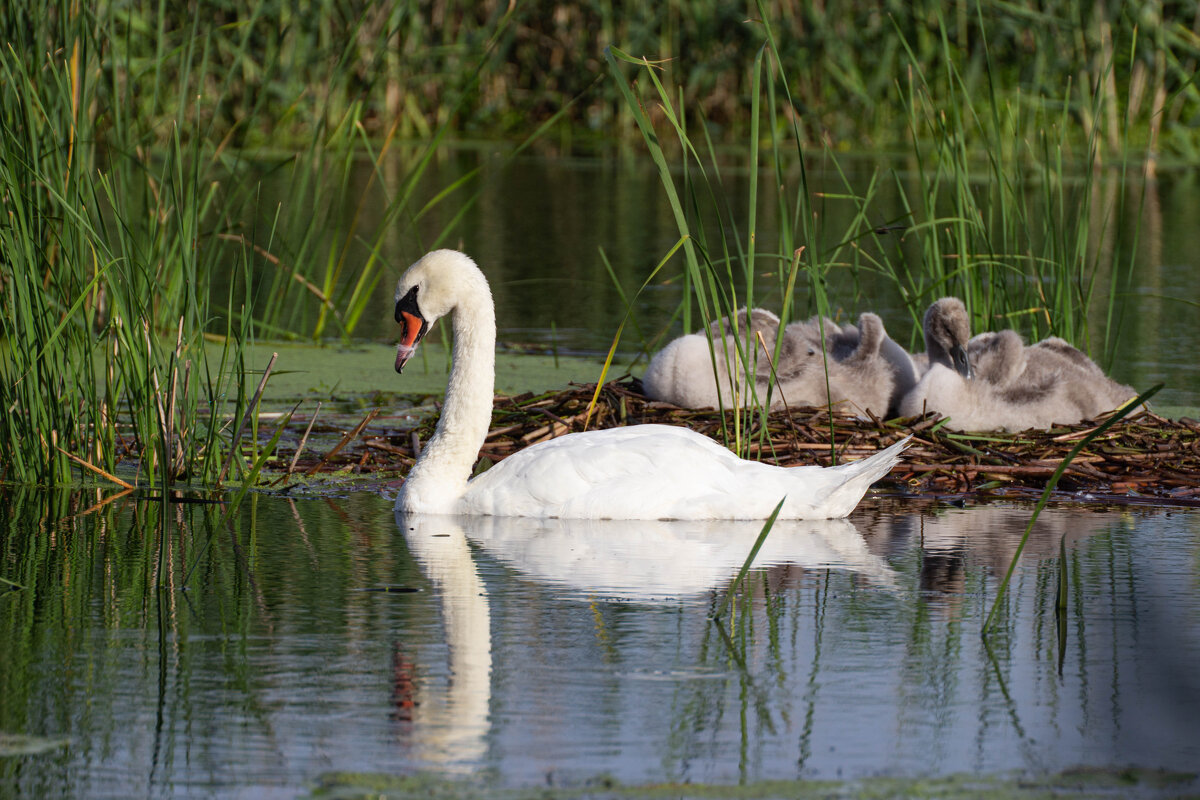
{"x":1050,"y":484}
{"x":758,"y":543}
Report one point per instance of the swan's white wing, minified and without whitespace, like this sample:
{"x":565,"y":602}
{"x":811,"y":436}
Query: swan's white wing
{"x":661,"y":472}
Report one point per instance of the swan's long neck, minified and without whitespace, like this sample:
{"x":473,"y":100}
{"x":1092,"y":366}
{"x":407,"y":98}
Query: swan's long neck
{"x":440,"y":475}
{"x":937,"y":352}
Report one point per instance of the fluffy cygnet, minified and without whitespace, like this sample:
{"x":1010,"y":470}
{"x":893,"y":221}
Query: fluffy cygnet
{"x":691,"y":374}
{"x":995,"y":382}
{"x":865,"y":369}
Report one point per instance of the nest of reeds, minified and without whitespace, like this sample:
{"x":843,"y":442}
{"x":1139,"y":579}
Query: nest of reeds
{"x":1142,"y":455}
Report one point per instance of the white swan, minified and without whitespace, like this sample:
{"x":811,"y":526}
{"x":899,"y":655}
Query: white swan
{"x":995,"y":382}
{"x":640,"y":472}
{"x":865,"y":370}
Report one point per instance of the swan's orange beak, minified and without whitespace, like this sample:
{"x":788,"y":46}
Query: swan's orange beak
{"x":410,"y":334}
{"x":412,"y":328}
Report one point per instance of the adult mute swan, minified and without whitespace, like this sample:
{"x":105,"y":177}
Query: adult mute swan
{"x":995,"y":382}
{"x":639,"y":472}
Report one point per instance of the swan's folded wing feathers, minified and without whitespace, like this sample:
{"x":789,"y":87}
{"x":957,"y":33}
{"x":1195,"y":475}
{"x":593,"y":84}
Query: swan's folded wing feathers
{"x":647,"y":471}
{"x":656,"y":472}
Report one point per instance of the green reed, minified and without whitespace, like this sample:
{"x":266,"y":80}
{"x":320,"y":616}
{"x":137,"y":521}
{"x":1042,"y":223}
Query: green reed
{"x":998,"y":202}
{"x":143,"y":247}
{"x":741,"y":575}
{"x":722,"y":271}
{"x":1061,"y":594}
{"x":1004,"y":204}
{"x":844,"y":61}
{"x":723,"y":259}
{"x":111,"y":272}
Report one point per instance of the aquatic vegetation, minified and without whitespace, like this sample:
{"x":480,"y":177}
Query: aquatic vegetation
{"x":1000,"y":205}
{"x":1051,"y":483}
{"x":133,"y":239}
{"x":285,"y":73}
{"x":106,"y":281}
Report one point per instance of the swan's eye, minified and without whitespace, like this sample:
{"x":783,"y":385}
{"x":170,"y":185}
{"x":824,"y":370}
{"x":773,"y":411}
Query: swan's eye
{"x":407,"y":303}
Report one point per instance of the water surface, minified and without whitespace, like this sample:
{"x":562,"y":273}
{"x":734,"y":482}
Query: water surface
{"x":316,"y":636}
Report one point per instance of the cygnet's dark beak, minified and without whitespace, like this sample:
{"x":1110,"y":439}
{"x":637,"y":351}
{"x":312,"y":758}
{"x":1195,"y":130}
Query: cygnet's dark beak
{"x":412,"y":327}
{"x":961,"y":363}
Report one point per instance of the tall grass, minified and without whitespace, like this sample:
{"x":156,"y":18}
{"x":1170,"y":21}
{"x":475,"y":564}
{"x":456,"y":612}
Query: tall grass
{"x":407,"y":62}
{"x":141,"y":251}
{"x":107,"y":272}
{"x":1009,"y":206}
{"x":1004,"y":203}
{"x":110,"y":272}
{"x":720,"y":260}
{"x":999,"y":203}
{"x":1091,"y":436}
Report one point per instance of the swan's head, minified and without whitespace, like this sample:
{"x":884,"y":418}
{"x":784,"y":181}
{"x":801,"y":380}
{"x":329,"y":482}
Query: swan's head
{"x":430,"y":289}
{"x":947,"y":330}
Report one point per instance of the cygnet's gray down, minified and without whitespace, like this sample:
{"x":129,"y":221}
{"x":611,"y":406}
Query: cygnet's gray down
{"x":995,"y":382}
{"x":862,"y":371}
{"x":867,"y":371}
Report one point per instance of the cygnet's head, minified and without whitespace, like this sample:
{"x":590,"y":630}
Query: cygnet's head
{"x":430,"y":289}
{"x":947,"y":329}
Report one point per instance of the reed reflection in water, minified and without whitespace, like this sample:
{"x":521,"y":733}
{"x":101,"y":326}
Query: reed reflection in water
{"x":319,"y":636}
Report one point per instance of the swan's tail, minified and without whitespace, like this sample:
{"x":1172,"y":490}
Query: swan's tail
{"x":859,"y":475}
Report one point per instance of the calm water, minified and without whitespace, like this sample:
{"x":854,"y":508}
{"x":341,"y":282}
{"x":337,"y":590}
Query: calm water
{"x":532,"y":653}
{"x":539,"y":224}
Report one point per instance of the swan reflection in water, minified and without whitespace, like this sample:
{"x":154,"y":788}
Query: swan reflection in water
{"x":659,"y":564}
{"x":641,"y":561}
{"x":952,"y":542}
{"x":656,"y":560}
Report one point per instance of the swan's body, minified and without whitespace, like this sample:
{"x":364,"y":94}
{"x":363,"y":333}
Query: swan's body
{"x":995,"y":382}
{"x":659,"y":472}
{"x":865,"y":370}
{"x":640,"y":472}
